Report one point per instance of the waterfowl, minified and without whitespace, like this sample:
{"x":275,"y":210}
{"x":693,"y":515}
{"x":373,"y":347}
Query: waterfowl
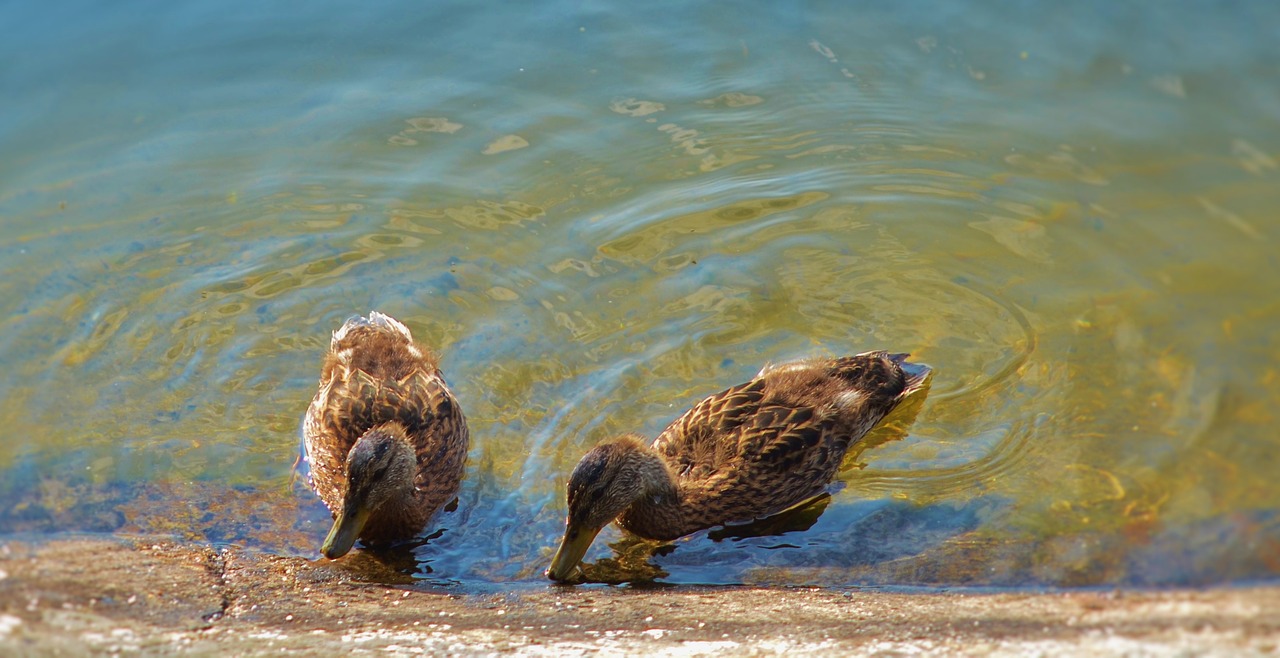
{"x":748,"y":452}
{"x":385,"y":438}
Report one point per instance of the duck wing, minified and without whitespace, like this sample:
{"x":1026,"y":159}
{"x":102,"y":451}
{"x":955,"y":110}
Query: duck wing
{"x":703,"y":439}
{"x":777,"y":440}
{"x":746,"y":434}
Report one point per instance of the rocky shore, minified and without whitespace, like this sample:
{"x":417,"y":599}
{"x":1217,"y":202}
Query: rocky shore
{"x":97,"y":596}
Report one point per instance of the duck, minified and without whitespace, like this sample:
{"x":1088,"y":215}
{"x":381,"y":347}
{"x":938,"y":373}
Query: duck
{"x":385,"y":438}
{"x":754,"y":450}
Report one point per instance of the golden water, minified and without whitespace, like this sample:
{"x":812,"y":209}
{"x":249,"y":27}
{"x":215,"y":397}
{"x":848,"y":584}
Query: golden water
{"x":601,"y":214}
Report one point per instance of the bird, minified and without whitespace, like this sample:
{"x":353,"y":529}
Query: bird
{"x":748,"y":452}
{"x":385,"y":438}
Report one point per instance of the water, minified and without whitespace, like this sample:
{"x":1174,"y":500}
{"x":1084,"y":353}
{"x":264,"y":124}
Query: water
{"x":600,"y":213}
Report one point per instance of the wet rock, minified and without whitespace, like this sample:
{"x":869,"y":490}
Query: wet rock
{"x":96,"y":595}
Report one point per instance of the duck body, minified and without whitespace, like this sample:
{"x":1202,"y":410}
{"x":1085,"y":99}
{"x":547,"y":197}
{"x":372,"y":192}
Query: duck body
{"x":385,"y":438}
{"x":748,"y":452}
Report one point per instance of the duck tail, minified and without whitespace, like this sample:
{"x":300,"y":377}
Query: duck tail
{"x":917,"y":374}
{"x":388,"y":323}
{"x":376,"y":321}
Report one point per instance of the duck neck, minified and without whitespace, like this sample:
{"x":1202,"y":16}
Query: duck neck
{"x":657,"y":513}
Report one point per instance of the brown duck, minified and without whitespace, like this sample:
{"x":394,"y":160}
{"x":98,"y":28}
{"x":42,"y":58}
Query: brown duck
{"x":751,"y":451}
{"x":385,"y":437}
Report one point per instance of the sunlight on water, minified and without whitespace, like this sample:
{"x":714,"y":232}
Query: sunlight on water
{"x":601,"y":214}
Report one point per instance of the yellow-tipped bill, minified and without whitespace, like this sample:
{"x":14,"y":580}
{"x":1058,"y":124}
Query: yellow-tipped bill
{"x":346,"y":528}
{"x":574,"y":545}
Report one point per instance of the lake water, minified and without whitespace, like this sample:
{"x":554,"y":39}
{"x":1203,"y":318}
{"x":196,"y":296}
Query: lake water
{"x":601,"y":212}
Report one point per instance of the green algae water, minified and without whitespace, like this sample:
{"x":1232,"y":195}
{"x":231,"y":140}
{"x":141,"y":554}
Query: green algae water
{"x":599,"y":213}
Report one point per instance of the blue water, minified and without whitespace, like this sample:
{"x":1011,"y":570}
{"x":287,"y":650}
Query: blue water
{"x":601,"y":212}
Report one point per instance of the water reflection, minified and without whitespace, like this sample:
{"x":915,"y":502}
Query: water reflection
{"x":1071,"y":226}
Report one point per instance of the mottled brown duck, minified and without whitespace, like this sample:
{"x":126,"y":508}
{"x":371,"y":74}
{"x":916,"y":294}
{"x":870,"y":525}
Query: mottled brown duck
{"x":749,"y":452}
{"x":384,"y":436}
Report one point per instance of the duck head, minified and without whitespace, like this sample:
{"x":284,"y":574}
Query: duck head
{"x":380,"y":467}
{"x":608,"y":480}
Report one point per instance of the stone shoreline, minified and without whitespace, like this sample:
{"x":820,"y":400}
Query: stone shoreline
{"x":99,"y":596}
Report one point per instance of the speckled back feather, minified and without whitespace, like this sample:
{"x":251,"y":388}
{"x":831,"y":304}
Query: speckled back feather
{"x":763,"y":446}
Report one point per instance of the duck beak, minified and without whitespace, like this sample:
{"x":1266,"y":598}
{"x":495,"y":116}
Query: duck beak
{"x":577,"y":540}
{"x":346,"y":528}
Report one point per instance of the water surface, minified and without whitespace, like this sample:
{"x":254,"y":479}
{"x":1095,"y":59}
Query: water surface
{"x":600,"y":213}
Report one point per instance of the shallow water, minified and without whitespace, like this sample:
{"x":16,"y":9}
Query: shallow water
{"x":600,"y":213}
